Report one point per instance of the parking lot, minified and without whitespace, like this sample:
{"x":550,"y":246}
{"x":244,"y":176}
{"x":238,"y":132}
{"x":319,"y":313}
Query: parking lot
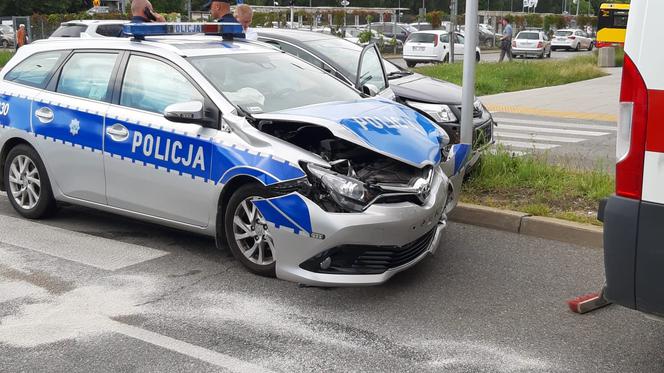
{"x":91,"y":287}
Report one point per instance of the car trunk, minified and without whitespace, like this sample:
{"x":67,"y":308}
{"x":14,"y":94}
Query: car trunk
{"x":421,"y":44}
{"x":528,"y":41}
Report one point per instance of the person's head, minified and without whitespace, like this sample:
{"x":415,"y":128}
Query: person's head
{"x":244,"y":15}
{"x":218,"y":8}
{"x":22,"y":26}
{"x":505,"y":21}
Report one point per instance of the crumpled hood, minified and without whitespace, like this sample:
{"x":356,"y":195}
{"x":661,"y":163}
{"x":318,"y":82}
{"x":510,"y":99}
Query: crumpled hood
{"x":381,"y":125}
{"x":421,"y":88}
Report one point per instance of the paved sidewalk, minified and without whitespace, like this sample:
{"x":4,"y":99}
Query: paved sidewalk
{"x":595,"y":99}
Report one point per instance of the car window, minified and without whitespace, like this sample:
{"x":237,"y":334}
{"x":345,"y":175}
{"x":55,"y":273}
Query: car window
{"x":297,"y":52}
{"x":69,"y":31}
{"x":459,"y":39}
{"x":445,"y":38}
{"x":563,"y":33}
{"x":421,"y":37}
{"x":341,"y":53}
{"x":110,"y":30}
{"x":35,"y":70}
{"x":152,"y":85}
{"x":87,"y":75}
{"x":528,"y":36}
{"x":371,"y":71}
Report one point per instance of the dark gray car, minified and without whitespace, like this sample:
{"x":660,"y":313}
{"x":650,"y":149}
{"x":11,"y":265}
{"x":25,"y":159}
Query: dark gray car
{"x":437,"y":99}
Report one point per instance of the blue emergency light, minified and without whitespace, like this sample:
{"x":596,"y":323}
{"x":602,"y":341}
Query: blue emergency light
{"x":228,"y":30}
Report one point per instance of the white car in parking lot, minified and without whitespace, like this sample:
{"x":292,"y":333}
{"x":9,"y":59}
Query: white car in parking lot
{"x":433,"y":46}
{"x":89,"y":29}
{"x":531,"y":43}
{"x":572,"y":40}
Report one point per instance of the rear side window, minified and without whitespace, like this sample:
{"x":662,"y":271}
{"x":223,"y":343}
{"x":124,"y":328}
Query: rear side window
{"x":36,"y":69}
{"x":563,"y":33}
{"x":422,"y":37}
{"x":528,"y":36}
{"x":69,"y":31}
{"x":152,"y":85}
{"x":87,"y":75}
{"x":110,"y":30}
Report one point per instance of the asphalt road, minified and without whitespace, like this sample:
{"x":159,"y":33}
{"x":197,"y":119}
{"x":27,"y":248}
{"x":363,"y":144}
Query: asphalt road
{"x":136,"y":297}
{"x":493,"y":57}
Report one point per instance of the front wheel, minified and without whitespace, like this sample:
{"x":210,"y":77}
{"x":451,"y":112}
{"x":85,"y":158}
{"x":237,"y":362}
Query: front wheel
{"x":477,"y":57}
{"x":411,"y":64}
{"x":249,"y":237}
{"x":590,"y":47}
{"x":28,"y":187}
{"x":578,"y":47}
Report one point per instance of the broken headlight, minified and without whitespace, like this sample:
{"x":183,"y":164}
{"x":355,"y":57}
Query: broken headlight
{"x":438,"y":112}
{"x":351,"y":194}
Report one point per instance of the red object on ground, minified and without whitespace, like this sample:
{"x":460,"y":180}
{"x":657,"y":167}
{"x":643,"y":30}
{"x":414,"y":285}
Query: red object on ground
{"x":587,"y":303}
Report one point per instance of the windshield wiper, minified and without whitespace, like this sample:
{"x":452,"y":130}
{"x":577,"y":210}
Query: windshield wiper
{"x":398,"y":74}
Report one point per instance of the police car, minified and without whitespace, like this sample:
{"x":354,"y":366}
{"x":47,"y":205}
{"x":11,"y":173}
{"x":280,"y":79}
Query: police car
{"x":302,"y":176}
{"x":633,"y":218}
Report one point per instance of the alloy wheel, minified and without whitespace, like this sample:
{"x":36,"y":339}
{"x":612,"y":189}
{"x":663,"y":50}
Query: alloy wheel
{"x":24,"y":182}
{"x":252,"y":234}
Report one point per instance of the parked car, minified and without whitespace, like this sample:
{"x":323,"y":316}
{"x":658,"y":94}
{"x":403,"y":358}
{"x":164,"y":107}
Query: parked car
{"x":399,"y":31}
{"x":89,"y":29}
{"x":575,"y":40}
{"x":531,"y":43}
{"x":7,"y":36}
{"x":433,"y":46}
{"x":437,"y":99}
{"x":99,"y":10}
{"x":633,"y":217}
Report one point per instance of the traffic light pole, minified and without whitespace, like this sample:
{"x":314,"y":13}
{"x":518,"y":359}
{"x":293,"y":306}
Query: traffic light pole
{"x":468,"y":90}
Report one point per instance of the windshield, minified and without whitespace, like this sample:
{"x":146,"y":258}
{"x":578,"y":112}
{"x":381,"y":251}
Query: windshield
{"x":69,"y":31}
{"x":422,"y":37}
{"x":344,"y":54}
{"x":528,"y":36}
{"x":268,"y":82}
{"x":563,"y":33}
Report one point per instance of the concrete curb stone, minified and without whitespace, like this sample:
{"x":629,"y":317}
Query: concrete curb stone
{"x":526,"y":224}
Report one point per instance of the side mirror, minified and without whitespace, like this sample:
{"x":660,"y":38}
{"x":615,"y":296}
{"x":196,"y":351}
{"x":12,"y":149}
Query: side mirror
{"x":186,"y":112}
{"x":370,"y":90}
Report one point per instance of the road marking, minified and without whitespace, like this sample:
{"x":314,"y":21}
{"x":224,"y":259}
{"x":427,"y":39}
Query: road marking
{"x":188,"y":349}
{"x":526,"y":136}
{"x":527,"y":145}
{"x":580,"y":126}
{"x":513,"y":153}
{"x":561,"y":131}
{"x":494,"y":108}
{"x":82,"y":248}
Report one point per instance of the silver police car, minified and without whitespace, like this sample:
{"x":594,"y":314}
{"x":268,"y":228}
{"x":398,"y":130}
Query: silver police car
{"x":303,"y":177}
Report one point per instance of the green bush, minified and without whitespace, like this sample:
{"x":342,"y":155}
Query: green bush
{"x":364,"y":36}
{"x":5,"y":57}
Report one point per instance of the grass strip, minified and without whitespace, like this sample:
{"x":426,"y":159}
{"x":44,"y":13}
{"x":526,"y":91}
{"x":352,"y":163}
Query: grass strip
{"x":533,"y":185}
{"x":492,"y":78}
{"x":5,"y":56}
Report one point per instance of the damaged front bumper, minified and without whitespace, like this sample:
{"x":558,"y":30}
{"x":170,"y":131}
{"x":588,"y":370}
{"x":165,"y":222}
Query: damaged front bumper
{"x":316,"y":247}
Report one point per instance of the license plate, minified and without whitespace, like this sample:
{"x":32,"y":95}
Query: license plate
{"x":418,"y":49}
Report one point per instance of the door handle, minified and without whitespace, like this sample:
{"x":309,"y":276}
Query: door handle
{"x":117,"y":132}
{"x":44,"y":114}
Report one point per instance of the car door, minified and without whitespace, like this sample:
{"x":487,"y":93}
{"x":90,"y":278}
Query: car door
{"x":371,"y":74}
{"x":154,"y":166}
{"x":71,"y":113}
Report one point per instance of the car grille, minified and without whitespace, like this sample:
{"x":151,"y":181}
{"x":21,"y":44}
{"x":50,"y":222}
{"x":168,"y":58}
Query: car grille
{"x":363,"y":259}
{"x":482,"y":136}
{"x":476,"y":113}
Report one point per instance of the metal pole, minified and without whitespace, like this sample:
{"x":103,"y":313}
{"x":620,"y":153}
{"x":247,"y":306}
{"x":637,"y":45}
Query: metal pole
{"x":292,"y":20}
{"x":578,"y":2}
{"x":469,"y":64}
{"x":452,"y":31}
{"x":189,"y":10}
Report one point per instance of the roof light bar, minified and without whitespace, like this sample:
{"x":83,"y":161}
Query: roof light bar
{"x":225,"y":29}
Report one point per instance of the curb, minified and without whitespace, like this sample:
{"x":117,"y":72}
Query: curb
{"x":526,"y":224}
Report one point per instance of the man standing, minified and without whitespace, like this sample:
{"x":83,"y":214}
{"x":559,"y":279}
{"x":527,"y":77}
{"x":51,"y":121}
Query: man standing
{"x":142,"y":12}
{"x":244,"y":16}
{"x":220,"y":10}
{"x":21,"y":36}
{"x":506,"y":41}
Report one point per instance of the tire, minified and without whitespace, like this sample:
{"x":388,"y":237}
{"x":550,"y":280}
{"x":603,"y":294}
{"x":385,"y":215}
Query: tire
{"x":477,"y":57}
{"x":29,"y":191}
{"x":261,"y":260}
{"x":411,"y":64}
{"x":446,"y":59}
{"x":578,"y":47}
{"x":590,"y":47}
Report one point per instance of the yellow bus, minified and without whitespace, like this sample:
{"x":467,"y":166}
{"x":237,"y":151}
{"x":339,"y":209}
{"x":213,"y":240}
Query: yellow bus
{"x":612,"y":24}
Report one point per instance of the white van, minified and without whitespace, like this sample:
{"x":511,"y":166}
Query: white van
{"x":634,"y":217}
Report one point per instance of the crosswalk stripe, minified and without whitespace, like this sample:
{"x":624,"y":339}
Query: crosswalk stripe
{"x":527,"y":145}
{"x":526,"y":136}
{"x":579,"y":126}
{"x":561,"y":131}
{"x":514,"y":153}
